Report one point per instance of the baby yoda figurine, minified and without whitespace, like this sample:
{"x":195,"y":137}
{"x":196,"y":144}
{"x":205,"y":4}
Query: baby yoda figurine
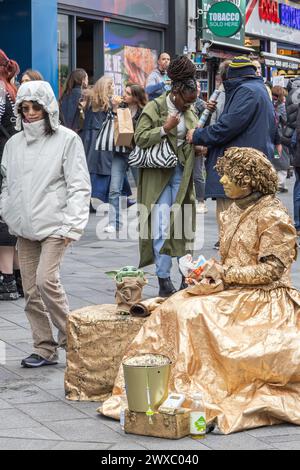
{"x":130,"y":282}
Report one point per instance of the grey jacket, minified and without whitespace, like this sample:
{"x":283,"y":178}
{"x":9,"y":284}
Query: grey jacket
{"x":46,"y":184}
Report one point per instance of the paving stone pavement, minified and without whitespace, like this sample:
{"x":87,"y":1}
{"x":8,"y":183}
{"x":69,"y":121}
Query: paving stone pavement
{"x":33,"y":411}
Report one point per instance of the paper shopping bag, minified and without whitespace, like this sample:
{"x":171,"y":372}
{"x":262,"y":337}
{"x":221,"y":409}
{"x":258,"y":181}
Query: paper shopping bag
{"x":123,"y":128}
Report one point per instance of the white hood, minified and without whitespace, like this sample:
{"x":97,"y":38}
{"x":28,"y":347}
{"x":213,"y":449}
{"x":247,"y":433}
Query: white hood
{"x":42,"y":93}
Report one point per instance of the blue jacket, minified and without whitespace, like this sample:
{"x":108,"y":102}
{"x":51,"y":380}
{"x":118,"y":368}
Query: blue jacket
{"x":248,"y":120}
{"x":155,"y":85}
{"x":70,"y":108}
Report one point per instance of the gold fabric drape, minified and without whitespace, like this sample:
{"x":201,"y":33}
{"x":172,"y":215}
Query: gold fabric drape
{"x":240,"y":347}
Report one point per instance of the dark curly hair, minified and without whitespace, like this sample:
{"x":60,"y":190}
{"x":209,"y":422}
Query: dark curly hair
{"x":183,"y":72}
{"x":248,"y":167}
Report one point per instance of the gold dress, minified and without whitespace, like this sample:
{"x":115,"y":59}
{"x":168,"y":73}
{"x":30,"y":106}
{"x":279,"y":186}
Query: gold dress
{"x":240,"y":347}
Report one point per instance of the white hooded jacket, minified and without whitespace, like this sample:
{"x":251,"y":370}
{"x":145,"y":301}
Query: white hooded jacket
{"x":46,"y":184}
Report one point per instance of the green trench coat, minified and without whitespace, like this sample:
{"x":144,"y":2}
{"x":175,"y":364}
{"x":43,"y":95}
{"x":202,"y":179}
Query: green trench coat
{"x":152,"y":181}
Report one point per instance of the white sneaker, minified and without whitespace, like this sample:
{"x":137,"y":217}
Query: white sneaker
{"x":201,"y":208}
{"x":109,"y":229}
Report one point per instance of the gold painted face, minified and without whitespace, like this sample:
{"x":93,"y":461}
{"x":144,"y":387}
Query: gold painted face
{"x":232,"y":190}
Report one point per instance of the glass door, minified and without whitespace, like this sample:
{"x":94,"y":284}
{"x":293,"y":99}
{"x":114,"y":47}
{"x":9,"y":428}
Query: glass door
{"x":85,"y":46}
{"x":63,"y":50}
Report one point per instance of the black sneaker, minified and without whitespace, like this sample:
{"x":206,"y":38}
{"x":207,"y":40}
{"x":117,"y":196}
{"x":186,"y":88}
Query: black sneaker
{"x":166,"y":288}
{"x":217,"y":246}
{"x":34,"y":360}
{"x":8,"y":289}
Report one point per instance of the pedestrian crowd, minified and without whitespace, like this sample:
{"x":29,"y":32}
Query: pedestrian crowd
{"x":66,"y":159}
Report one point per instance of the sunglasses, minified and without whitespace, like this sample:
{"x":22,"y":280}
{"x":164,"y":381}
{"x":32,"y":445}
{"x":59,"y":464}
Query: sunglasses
{"x":34,"y":106}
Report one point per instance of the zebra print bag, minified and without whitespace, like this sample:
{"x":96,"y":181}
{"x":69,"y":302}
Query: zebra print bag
{"x":105,"y":140}
{"x":158,"y":156}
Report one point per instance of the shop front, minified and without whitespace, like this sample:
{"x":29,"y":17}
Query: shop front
{"x":121,"y":39}
{"x":276,"y":24}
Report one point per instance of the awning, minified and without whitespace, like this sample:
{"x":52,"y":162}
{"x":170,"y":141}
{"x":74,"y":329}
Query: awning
{"x":280,"y":61}
{"x":224,"y":45}
{"x":225,"y":51}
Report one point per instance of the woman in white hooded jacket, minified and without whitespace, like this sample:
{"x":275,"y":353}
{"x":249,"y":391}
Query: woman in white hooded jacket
{"x":45,"y":203}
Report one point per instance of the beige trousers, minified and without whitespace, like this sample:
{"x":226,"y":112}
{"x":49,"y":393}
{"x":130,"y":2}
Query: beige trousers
{"x":44,"y":295}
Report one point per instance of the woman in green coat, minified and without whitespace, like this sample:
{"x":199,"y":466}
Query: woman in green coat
{"x":166,"y":195}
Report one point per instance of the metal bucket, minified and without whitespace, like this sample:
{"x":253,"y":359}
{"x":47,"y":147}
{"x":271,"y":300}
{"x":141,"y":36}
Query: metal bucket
{"x":137,"y":380}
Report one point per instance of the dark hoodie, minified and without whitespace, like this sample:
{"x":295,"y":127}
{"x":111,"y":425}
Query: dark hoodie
{"x":69,"y":107}
{"x":292,"y":104}
{"x":248,"y":120}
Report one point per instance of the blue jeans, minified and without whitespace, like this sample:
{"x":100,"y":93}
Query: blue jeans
{"x":297,"y":199}
{"x":118,"y":173}
{"x":161,"y":222}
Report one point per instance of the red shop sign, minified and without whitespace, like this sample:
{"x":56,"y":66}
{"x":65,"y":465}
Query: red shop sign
{"x":269,"y":11}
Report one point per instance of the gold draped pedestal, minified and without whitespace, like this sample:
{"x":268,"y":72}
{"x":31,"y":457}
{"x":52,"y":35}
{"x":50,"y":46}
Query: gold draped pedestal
{"x":97,"y":340}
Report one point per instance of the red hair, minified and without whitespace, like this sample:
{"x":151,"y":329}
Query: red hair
{"x":8,"y":70}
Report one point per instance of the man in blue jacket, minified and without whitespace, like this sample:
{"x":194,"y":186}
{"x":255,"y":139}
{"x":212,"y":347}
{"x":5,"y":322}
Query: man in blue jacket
{"x":158,"y":81}
{"x":248,"y":120}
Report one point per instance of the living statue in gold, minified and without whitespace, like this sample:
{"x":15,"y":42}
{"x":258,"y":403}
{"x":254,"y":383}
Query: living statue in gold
{"x":240,"y":344}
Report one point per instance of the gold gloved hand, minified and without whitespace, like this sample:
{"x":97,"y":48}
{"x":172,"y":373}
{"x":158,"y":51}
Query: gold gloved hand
{"x":268,"y":270}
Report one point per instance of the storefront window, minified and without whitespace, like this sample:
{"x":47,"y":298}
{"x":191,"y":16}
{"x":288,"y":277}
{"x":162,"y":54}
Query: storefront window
{"x":130,"y":53}
{"x":289,"y":50}
{"x":63,"y":47}
{"x":150,"y":10}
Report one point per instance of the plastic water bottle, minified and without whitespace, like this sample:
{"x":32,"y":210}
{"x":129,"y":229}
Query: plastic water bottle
{"x":206,"y":113}
{"x":197,"y":417}
{"x":185,"y":50}
{"x":123,"y":407}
